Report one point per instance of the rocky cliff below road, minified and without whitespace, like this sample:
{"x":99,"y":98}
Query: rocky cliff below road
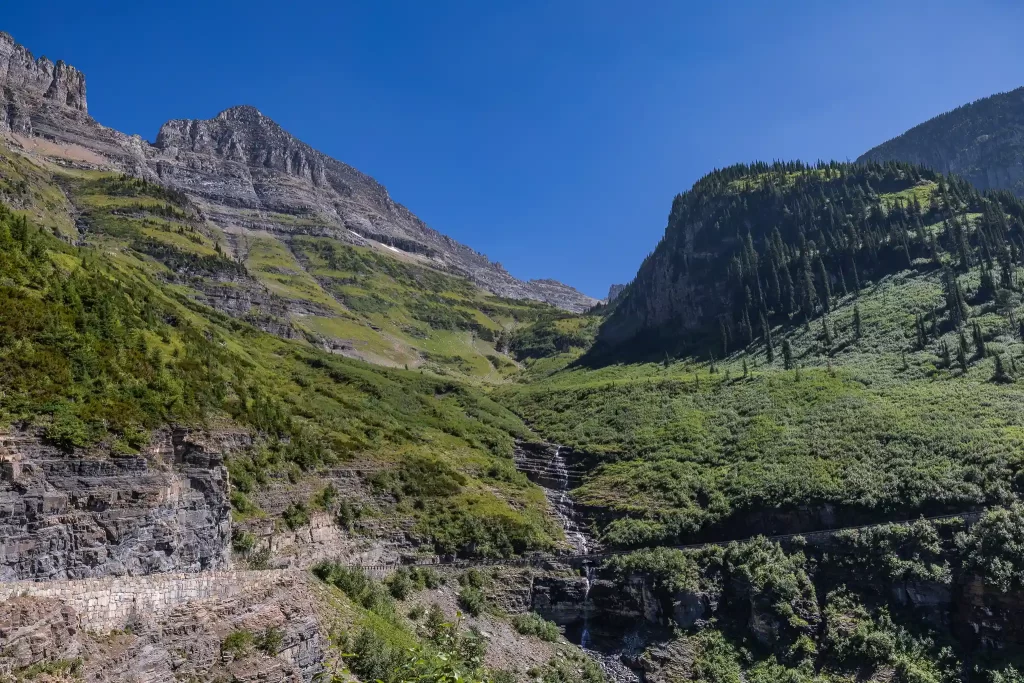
{"x":71,"y":516}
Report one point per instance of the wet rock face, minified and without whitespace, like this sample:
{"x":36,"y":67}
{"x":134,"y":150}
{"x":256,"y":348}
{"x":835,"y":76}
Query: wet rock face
{"x":988,"y":617}
{"x":70,"y":516}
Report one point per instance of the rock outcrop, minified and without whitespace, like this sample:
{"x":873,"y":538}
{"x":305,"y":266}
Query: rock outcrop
{"x":982,"y":142}
{"x":167,"y":628}
{"x":77,"y":516}
{"x":248,"y":174}
{"x":28,"y":84}
{"x":614,"y":291}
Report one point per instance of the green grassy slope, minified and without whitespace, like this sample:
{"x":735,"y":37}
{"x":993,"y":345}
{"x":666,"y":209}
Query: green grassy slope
{"x":855,"y":426}
{"x":102,"y":343}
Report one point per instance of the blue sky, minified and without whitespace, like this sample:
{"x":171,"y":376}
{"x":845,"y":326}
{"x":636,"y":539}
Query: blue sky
{"x":550,"y":135}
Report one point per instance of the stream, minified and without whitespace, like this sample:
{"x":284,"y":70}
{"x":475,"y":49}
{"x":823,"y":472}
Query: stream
{"x":551,"y":469}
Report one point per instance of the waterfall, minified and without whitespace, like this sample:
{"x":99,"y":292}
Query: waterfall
{"x":588,"y":577}
{"x":563,"y":503}
{"x":552,"y":472}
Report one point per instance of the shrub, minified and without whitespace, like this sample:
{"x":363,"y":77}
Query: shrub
{"x":269,"y":642}
{"x":238,"y":644}
{"x":242,"y":541}
{"x":416,"y":612}
{"x":472,"y":600}
{"x":359,"y":587}
{"x":994,"y":547}
{"x":400,"y":584}
{"x":531,"y":624}
{"x":295,"y":515}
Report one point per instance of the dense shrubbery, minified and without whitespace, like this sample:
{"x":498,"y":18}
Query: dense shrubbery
{"x":531,"y":624}
{"x":994,"y":548}
{"x":553,"y":334}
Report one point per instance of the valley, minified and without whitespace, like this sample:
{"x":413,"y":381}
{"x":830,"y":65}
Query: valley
{"x":258,"y":422}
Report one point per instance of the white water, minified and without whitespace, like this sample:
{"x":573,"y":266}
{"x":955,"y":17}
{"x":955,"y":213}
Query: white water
{"x":558,"y":477}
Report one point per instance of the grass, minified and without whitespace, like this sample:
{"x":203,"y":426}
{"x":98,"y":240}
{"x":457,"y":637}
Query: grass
{"x":99,"y":349}
{"x":873,"y":428}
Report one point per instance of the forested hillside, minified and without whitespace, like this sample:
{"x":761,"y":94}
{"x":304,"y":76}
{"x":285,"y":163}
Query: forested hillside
{"x":809,"y":347}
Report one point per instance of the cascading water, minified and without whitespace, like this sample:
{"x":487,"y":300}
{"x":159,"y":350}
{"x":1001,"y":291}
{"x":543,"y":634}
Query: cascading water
{"x":551,"y":470}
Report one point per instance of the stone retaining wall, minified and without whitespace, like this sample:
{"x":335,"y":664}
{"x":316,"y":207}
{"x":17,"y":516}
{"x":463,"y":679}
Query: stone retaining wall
{"x":112,"y":602}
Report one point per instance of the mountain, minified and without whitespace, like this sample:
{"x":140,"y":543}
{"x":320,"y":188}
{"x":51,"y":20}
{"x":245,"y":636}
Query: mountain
{"x":245,"y":171}
{"x":807,"y":348}
{"x":983,"y":142}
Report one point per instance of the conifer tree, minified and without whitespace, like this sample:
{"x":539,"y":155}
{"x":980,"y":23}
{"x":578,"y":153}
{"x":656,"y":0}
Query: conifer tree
{"x":856,"y":322}
{"x":826,"y":333}
{"x":1000,"y":374}
{"x":961,"y":351}
{"x":979,"y":340}
{"x":744,"y":367}
{"x":921,"y":338}
{"x":787,"y":354}
{"x":826,"y":288}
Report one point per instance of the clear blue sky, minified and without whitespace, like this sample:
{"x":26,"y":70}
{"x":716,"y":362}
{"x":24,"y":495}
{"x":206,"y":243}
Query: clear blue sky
{"x":550,"y":135}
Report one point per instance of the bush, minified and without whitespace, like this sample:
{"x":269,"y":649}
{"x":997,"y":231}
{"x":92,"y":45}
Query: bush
{"x":994,"y":547}
{"x":400,"y":584}
{"x":296,"y":515}
{"x":359,"y":587}
{"x":472,"y":600}
{"x":242,"y":541}
{"x":269,"y":642}
{"x":427,"y":577}
{"x":348,"y":515}
{"x":416,"y":612}
{"x":238,"y":644}
{"x":531,"y":624}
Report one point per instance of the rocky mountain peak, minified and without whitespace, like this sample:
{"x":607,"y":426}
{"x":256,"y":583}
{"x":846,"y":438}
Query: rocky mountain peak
{"x":245,"y":113}
{"x":27,"y":82}
{"x":241,"y":164}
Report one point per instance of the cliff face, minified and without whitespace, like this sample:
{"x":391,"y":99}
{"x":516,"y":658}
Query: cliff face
{"x":243,"y":161}
{"x":67,"y":516}
{"x":247,"y":173}
{"x":27,"y":84}
{"x":982,"y":142}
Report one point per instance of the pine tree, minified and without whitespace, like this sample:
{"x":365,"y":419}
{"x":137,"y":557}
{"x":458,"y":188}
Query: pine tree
{"x":766,"y":331}
{"x":744,"y":367}
{"x":955,"y":302}
{"x":961,"y":351}
{"x":748,"y":329}
{"x":826,"y":288}
{"x":921,"y":338}
{"x":944,"y":353}
{"x":787,"y":354}
{"x":1000,"y":374}
{"x":826,"y":333}
{"x":979,"y":340}
{"x":725,"y":340}
{"x":856,"y":322}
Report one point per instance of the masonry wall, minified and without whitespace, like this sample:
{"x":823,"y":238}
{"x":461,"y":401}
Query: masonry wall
{"x":112,"y":602}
